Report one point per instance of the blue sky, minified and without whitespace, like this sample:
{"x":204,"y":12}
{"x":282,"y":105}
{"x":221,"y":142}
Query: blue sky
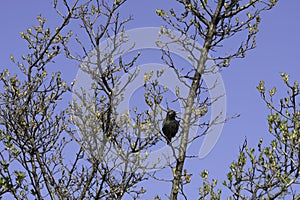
{"x":277,"y":51}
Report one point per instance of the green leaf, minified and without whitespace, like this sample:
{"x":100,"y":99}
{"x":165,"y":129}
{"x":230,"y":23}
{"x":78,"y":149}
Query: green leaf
{"x":272,"y":91}
{"x":204,"y":174}
{"x":284,"y":77}
{"x":229,"y":176}
{"x":261,"y":86}
{"x":20,"y":176}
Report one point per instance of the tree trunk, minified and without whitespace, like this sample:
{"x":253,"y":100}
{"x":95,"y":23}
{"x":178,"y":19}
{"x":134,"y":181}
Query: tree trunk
{"x":190,"y":101}
{"x":186,"y":126}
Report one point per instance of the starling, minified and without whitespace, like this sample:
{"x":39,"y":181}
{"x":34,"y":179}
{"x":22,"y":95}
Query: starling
{"x":170,"y":125}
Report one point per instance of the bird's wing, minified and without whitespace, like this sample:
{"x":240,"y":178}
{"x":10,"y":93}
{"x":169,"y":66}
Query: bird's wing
{"x":175,"y":128}
{"x":163,"y":126}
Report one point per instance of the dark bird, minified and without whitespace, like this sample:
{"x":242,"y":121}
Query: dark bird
{"x":170,"y":125}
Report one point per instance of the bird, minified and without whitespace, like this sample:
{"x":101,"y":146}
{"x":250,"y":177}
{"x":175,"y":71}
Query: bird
{"x":170,"y":125}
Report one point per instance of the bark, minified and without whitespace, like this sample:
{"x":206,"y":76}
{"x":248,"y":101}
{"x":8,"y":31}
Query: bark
{"x":190,"y":102}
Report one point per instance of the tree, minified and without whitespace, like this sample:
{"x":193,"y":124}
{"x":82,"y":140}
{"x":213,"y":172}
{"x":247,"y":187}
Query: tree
{"x":114,"y":146}
{"x":36,"y":131}
{"x":214,"y":23}
{"x":32,"y":126}
{"x":268,"y":171}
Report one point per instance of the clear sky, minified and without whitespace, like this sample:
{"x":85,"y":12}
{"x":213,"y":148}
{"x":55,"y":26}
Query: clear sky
{"x":277,"y":51}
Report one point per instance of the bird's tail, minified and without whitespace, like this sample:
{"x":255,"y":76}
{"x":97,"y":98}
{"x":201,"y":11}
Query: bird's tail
{"x":168,"y":141}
